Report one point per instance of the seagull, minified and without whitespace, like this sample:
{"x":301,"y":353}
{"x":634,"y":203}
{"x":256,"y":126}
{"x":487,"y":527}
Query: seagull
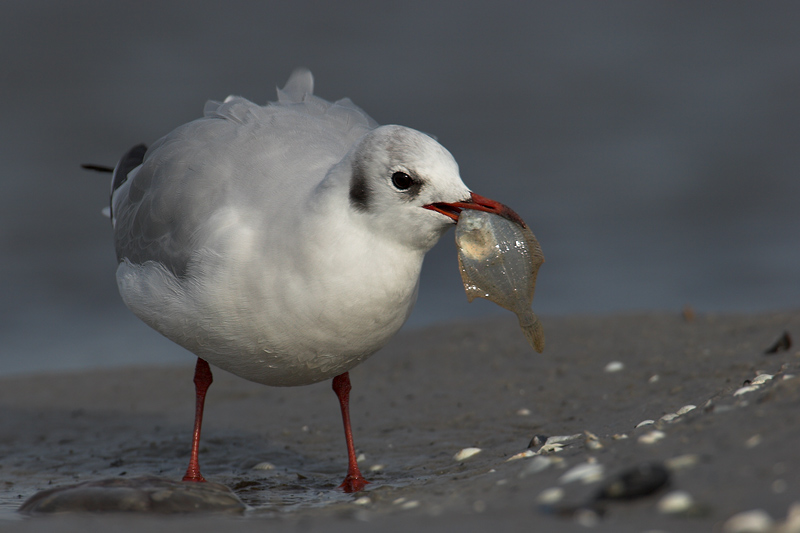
{"x":282,"y":243}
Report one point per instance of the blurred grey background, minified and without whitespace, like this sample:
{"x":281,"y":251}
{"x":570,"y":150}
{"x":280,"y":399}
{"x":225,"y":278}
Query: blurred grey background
{"x":654,"y":148}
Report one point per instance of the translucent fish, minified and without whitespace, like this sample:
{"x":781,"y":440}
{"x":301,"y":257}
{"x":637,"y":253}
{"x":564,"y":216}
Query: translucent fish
{"x":499,"y":259}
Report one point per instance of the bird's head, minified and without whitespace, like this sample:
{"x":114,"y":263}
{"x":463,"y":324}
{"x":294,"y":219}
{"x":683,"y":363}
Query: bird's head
{"x":408,"y":187}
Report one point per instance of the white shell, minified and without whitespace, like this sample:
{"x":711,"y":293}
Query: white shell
{"x":466,"y":453}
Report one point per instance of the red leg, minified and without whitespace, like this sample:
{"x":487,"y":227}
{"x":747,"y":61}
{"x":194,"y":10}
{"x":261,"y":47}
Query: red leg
{"x":202,"y":380}
{"x":354,"y":481}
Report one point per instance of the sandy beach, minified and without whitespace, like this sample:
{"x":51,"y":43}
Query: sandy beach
{"x":428,"y":395}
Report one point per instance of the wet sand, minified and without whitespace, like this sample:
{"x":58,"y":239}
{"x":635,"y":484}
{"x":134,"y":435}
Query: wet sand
{"x":418,"y":402}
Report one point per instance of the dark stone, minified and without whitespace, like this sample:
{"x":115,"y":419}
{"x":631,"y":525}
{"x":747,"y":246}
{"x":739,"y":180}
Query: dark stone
{"x":783,"y":344}
{"x":140,"y":495}
{"x":635,"y":482}
{"x":538,"y":440}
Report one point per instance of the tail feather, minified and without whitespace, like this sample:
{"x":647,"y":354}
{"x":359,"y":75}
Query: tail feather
{"x":300,"y":85}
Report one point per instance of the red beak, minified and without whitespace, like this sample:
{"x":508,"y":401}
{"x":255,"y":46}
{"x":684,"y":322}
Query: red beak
{"x":478,"y":203}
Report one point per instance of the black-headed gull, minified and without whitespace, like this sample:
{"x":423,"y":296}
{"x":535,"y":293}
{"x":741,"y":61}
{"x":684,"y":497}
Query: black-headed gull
{"x":282,"y":243}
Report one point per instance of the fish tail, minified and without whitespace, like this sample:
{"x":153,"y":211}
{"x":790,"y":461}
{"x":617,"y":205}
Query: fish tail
{"x":532,"y":329}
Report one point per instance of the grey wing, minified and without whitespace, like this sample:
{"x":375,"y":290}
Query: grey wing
{"x":161,"y":208}
{"x":161,"y":205}
{"x":132,"y":159}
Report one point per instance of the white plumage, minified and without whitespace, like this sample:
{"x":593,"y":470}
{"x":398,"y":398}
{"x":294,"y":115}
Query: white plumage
{"x":282,"y":243}
{"x":239,"y":240}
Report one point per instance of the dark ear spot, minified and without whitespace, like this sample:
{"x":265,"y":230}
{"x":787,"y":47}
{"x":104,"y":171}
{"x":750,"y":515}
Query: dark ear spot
{"x":359,"y":189}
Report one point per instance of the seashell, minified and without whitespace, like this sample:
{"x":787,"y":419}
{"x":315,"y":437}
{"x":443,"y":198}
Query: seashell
{"x":676,"y":502}
{"x":466,"y":453}
{"x":652,"y":437}
{"x":536,"y":465}
{"x":522,"y":455}
{"x":753,"y":521}
{"x":746,"y":389}
{"x":584,"y":472}
{"x":550,"y":496}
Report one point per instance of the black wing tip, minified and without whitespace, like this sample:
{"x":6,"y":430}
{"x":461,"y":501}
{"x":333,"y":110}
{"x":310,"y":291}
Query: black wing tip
{"x":97,"y":168}
{"x":132,"y":159}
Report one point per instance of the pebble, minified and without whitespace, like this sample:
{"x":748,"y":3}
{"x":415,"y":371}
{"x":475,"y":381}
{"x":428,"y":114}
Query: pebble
{"x":755,"y":521}
{"x":753,"y":441}
{"x":585,"y":472}
{"x":792,"y":524}
{"x":534,"y":466}
{"x":523,"y":412}
{"x":635,"y":482}
{"x":466,"y":453}
{"x":537,"y":440}
{"x":779,"y":486}
{"x":682,"y":461}
{"x":614,"y":366}
{"x":783,"y":344}
{"x":644,"y":423}
{"x":376,"y":468}
{"x":652,"y":437}
{"x":762,"y":378}
{"x":560,"y":439}
{"x":654,"y":378}
{"x":682,"y":411}
{"x":550,"y":496}
{"x":592,"y":441}
{"x":746,"y":389}
{"x":552,"y":448}
{"x":587,"y":517}
{"x":264,"y":466}
{"x":552,"y":444}
{"x":675,"y":502}
{"x":363,"y":500}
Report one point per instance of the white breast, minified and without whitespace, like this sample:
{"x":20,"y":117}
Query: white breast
{"x":289,"y":318}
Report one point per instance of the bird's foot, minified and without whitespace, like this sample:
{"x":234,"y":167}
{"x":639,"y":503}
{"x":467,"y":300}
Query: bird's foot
{"x":195,"y":477}
{"x":353,"y":483}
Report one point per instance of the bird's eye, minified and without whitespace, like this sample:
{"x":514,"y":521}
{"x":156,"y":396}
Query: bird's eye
{"x":402,"y":181}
